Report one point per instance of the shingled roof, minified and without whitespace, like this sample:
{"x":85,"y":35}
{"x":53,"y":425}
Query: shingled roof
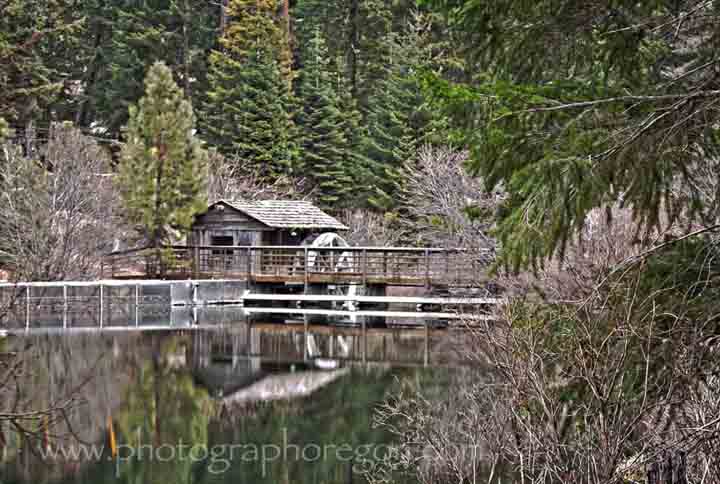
{"x":289,"y":214}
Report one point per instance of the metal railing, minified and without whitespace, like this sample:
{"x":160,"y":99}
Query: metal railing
{"x":394,"y":265}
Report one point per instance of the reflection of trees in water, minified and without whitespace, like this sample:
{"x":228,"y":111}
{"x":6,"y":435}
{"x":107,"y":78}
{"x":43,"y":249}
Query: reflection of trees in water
{"x":339,"y":415}
{"x":163,"y":408}
{"x":63,"y":389}
{"x":145,"y":383}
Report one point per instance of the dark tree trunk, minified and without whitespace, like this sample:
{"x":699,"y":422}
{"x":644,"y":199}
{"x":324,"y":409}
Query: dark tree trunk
{"x":353,"y":46}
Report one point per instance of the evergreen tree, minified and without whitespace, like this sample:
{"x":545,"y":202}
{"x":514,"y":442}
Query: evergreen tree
{"x":248,"y":113}
{"x":248,"y":109}
{"x":253,"y":25}
{"x":32,"y":35}
{"x":330,"y":18}
{"x":179,"y":33}
{"x":326,"y":152}
{"x":358,"y":163}
{"x":163,"y":165}
{"x":398,"y":117}
{"x":573,"y":112}
{"x":358,"y":29}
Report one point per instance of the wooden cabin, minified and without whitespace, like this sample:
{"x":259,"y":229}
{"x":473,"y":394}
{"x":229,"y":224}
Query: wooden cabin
{"x":260,"y":223}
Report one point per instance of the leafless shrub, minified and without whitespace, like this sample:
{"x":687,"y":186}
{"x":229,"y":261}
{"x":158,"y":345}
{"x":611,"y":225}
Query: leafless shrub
{"x":51,"y":399}
{"x":440,"y":197}
{"x":229,"y":181}
{"x":445,"y":436}
{"x":591,"y":392}
{"x":609,"y":239}
{"x":57,"y":212}
{"x":571,"y":396}
{"x":368,"y":228}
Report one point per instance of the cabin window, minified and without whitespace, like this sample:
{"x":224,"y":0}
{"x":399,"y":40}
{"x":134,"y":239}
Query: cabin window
{"x":224,"y":240}
{"x":244,"y":238}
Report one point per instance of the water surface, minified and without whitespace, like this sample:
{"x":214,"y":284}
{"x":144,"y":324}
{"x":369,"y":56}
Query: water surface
{"x":255,"y":403}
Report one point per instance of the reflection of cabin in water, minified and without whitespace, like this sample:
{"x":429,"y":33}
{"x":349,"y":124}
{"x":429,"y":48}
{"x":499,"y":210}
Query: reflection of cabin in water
{"x":260,"y":223}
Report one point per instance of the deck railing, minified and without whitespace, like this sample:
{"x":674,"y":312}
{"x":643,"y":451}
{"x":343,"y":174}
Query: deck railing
{"x":393,"y":265}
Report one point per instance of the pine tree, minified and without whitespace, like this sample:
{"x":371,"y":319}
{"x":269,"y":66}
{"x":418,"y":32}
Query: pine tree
{"x":330,"y":18}
{"x":248,"y":109}
{"x":163,"y":165}
{"x":325,"y":155}
{"x":358,"y":29}
{"x":358,"y":163}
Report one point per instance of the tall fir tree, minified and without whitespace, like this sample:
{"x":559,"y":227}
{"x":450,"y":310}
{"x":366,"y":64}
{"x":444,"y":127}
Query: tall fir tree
{"x":330,"y":18}
{"x":32,"y":35}
{"x":398,"y":117}
{"x":179,"y":33}
{"x":357,"y":29}
{"x":254,"y":24}
{"x":325,"y":149}
{"x":248,"y":109}
{"x":163,"y":166}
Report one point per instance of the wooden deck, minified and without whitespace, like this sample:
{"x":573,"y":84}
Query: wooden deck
{"x":401,"y":266}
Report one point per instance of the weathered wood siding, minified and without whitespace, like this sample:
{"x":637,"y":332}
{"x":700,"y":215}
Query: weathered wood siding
{"x":223,"y":220}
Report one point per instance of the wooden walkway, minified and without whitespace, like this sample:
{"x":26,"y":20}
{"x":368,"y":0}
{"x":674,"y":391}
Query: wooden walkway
{"x":401,"y":266}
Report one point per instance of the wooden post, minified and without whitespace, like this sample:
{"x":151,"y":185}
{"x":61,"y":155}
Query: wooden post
{"x":447,"y":265}
{"x":196,"y":261}
{"x":305,"y":337}
{"x":427,"y":267}
{"x":137,"y":305}
{"x":364,"y":339}
{"x":426,"y":360}
{"x":364,"y":266}
{"x":65,"y":306}
{"x":307,"y":269}
{"x":27,"y":308}
{"x":101,"y":306}
{"x":249,"y":264}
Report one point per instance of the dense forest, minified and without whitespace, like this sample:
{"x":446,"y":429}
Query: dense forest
{"x":323,"y":90}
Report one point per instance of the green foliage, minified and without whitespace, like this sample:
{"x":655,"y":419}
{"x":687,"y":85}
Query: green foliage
{"x":583,"y":117}
{"x":254,"y":27}
{"x":398,"y":116}
{"x":31,"y":34}
{"x":85,"y":62}
{"x":177,"y":32}
{"x":4,"y":130}
{"x":163,"y":165}
{"x":326,"y":152}
{"x":329,"y":17}
{"x":248,"y":113}
{"x":248,"y":109}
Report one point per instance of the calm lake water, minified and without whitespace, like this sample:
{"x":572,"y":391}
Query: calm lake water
{"x":251,"y":404}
